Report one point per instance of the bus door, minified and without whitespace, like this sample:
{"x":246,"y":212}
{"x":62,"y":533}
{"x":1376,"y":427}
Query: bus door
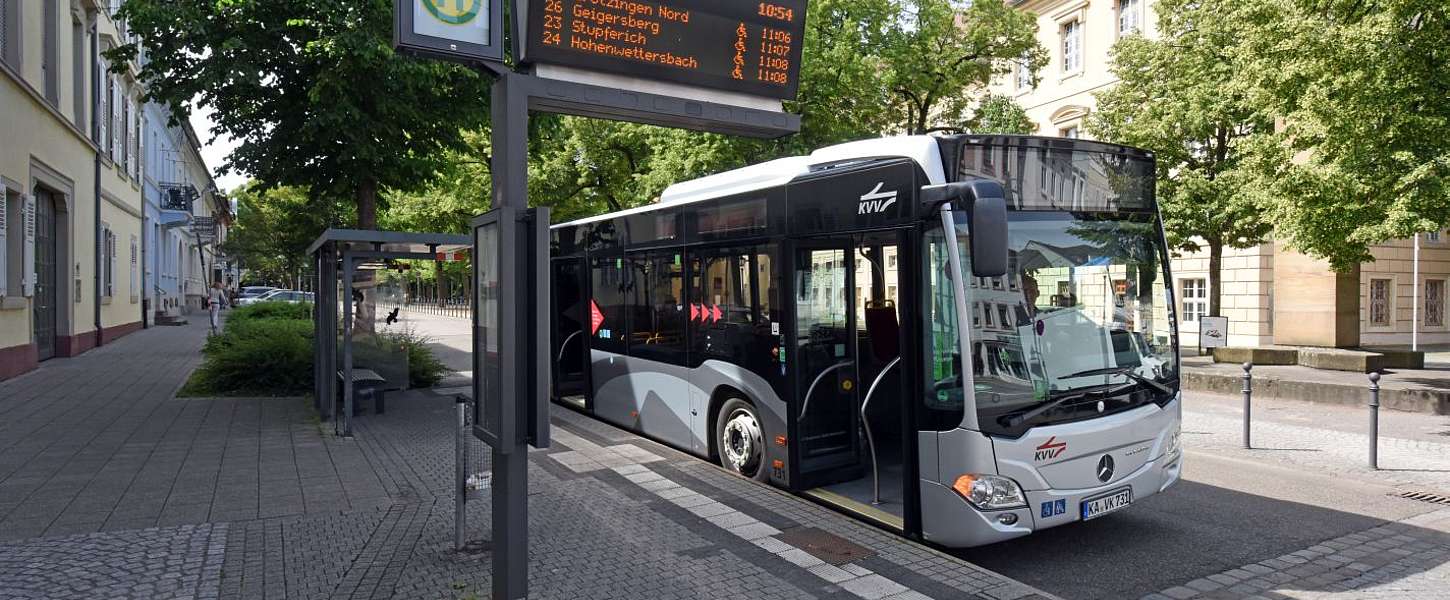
{"x":826,"y":422}
{"x":849,"y":351}
{"x":570,"y":332}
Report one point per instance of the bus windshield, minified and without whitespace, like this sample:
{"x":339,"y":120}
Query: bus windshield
{"x":1079,"y":327}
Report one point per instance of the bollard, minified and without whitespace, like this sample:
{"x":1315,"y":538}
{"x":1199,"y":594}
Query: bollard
{"x":460,"y":491}
{"x":1248,"y":400}
{"x":1374,"y":420}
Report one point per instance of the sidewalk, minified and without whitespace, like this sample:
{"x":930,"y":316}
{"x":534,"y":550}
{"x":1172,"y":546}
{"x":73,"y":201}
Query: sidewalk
{"x":110,"y":487}
{"x":1414,"y":448}
{"x":1416,"y":390}
{"x":1407,"y":559}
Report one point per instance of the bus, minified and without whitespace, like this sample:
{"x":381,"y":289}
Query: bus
{"x":964,"y":339}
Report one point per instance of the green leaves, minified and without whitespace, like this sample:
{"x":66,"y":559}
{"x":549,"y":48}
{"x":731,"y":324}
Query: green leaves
{"x":311,"y":90}
{"x":1361,"y":91}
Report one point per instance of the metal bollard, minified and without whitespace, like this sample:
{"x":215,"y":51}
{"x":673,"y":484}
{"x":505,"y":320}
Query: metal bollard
{"x":1248,"y":400}
{"x":460,"y":491}
{"x":1374,"y":420}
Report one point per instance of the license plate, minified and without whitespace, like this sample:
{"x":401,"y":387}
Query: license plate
{"x":1101,"y":505}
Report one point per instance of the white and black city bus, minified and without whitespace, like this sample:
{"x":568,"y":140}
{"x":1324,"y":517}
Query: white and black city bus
{"x":804,"y":322}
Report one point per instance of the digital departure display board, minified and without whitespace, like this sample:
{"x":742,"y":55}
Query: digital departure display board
{"x":746,"y":46}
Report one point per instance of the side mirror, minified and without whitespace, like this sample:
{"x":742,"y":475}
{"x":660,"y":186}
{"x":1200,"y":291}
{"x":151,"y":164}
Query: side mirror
{"x":986,"y":206}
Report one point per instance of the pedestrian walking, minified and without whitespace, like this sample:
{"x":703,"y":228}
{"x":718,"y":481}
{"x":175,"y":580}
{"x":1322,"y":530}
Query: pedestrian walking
{"x":214,"y":301}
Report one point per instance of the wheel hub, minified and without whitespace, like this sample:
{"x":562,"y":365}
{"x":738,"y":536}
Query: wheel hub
{"x":741,"y":441}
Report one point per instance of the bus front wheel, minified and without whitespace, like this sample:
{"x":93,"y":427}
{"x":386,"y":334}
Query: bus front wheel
{"x":741,"y":441}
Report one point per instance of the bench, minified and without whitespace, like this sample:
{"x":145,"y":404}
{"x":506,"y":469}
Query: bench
{"x":366,"y":383}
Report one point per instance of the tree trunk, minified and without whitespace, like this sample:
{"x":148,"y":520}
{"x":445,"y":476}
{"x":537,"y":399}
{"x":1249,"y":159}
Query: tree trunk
{"x":1215,"y":278}
{"x":367,"y":204}
{"x":367,"y":218}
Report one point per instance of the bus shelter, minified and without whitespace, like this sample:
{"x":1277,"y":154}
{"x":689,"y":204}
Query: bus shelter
{"x":339,"y":257}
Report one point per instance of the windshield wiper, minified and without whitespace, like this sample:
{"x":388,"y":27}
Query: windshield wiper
{"x":1018,"y":419}
{"x":1127,"y":372}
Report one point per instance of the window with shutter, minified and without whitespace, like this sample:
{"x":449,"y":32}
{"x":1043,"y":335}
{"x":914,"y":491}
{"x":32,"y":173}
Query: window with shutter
{"x":27,"y":246}
{"x":117,"y":134}
{"x":134,"y":287}
{"x":4,"y":224}
{"x":102,"y":116}
{"x":107,"y":262}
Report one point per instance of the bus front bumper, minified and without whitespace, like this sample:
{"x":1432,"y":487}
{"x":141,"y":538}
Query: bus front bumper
{"x":961,"y":525}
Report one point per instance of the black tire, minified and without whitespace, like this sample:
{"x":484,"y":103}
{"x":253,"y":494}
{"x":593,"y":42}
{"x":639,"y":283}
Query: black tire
{"x":740,"y":445}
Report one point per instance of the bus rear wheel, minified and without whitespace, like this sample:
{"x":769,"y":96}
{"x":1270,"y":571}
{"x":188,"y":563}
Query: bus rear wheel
{"x":741,"y":443}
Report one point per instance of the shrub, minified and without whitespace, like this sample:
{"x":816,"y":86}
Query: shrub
{"x":424,"y":369}
{"x":270,"y":310}
{"x":270,"y":356}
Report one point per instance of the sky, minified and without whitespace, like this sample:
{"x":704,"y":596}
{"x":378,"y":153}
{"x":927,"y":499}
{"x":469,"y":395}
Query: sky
{"x":214,"y":152}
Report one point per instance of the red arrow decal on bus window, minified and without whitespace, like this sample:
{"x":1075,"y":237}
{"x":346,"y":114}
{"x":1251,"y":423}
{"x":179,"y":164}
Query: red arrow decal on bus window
{"x":715,"y":313}
{"x":596,"y":318}
{"x":694,"y":312}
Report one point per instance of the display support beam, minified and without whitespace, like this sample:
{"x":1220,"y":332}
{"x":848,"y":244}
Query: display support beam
{"x":510,"y":479}
{"x":513,"y":95}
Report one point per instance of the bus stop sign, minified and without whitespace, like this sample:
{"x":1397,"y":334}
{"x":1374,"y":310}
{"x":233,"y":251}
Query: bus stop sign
{"x":511,"y":366}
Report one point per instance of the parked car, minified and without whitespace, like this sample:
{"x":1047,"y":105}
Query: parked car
{"x":253,"y":291}
{"x":276,"y":295}
{"x":293,"y":296}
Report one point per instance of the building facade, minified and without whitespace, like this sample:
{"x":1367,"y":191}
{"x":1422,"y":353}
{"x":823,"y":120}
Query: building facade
{"x":71,"y":170}
{"x":186,"y":219}
{"x":1270,"y":293}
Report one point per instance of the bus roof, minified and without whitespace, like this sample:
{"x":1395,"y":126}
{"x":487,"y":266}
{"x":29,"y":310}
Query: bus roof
{"x":921,"y":148}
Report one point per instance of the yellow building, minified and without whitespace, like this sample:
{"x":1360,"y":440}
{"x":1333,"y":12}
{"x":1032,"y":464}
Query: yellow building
{"x":1271,"y":294}
{"x":70,"y":152}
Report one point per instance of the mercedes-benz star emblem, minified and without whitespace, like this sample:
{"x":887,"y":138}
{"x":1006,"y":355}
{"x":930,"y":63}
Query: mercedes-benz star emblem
{"x":1105,"y":468}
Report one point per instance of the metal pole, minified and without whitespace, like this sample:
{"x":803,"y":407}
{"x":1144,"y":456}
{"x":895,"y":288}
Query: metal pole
{"x":1374,"y":420}
{"x":510,"y":469}
{"x":460,"y":473}
{"x":347,"y":310}
{"x":1248,"y":401}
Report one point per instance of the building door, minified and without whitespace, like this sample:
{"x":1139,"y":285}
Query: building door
{"x":44,"y":301}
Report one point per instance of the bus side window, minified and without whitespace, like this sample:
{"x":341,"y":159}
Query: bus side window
{"x":729,"y":304}
{"x":607,"y":279}
{"x":656,"y":306}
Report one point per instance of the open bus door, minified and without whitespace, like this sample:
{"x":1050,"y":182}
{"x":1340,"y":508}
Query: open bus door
{"x":571,"y":324}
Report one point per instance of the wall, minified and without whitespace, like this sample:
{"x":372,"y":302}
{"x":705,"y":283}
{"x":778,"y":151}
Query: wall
{"x":1061,"y":99}
{"x":46,"y":144}
{"x":1248,"y":300}
{"x":1394,"y":261}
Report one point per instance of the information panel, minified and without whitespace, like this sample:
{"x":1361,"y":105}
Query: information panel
{"x":738,"y":45}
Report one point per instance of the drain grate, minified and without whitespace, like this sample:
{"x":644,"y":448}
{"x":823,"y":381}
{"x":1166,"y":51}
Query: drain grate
{"x":1425,"y":497}
{"x":826,"y":546}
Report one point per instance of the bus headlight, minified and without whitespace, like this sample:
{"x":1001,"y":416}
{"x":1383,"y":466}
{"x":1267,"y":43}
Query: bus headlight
{"x":990,"y":492}
{"x":1172,"y":443}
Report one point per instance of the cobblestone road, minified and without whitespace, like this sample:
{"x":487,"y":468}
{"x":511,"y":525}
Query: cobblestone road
{"x":112,"y":488}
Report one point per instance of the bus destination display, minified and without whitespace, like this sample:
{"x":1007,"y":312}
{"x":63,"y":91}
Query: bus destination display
{"x":745,"y":46}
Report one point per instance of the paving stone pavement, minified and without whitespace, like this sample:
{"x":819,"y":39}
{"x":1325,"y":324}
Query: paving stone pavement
{"x":1410,"y":464}
{"x":1405,"y":560}
{"x":110,"y":487}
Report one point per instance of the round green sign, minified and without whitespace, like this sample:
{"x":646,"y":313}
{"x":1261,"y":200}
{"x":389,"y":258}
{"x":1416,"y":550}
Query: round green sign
{"x":453,"y":12}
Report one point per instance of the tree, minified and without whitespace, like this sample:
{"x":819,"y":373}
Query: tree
{"x":1178,"y":97}
{"x":312,"y":91}
{"x":938,"y":55}
{"x":1361,"y":88}
{"x":1001,"y":114}
{"x":275,"y":226}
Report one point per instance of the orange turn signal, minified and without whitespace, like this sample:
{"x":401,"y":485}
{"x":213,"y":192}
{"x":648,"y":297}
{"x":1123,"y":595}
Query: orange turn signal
{"x":963,"y":485}
{"x":777,"y":463}
{"x":780,"y":440}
